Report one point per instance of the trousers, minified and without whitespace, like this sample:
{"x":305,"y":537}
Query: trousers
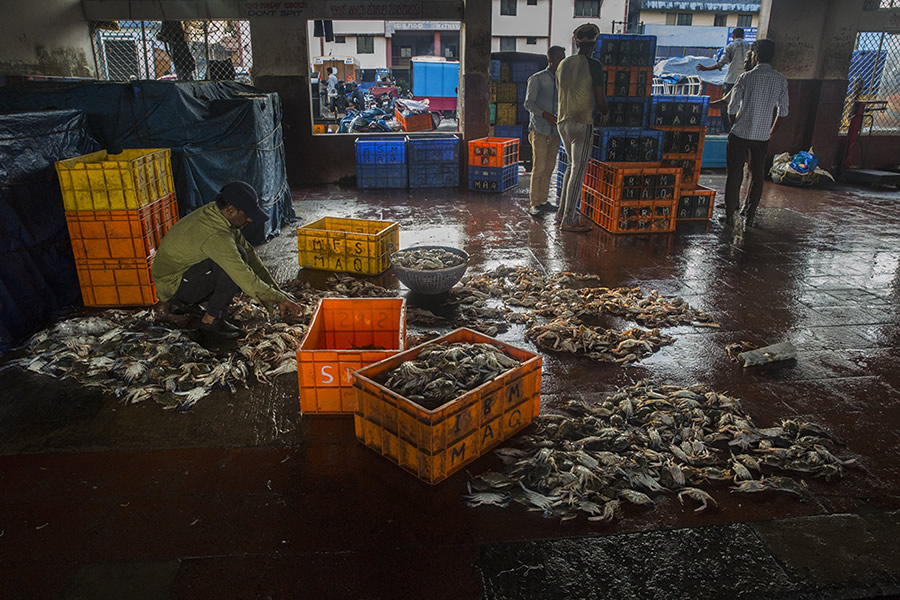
{"x":576,"y":139}
{"x":544,"y":150}
{"x":207,"y":282}
{"x":736,"y":154}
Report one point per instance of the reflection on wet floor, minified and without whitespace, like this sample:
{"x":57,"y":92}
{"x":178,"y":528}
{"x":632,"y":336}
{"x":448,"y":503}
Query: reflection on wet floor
{"x":242,"y":484}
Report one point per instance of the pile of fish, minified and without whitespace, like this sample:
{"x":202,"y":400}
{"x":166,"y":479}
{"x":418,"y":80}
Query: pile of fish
{"x":568,"y":334}
{"x":647,"y":442}
{"x":444,"y":371}
{"x":137,"y":357}
{"x":427,"y":259}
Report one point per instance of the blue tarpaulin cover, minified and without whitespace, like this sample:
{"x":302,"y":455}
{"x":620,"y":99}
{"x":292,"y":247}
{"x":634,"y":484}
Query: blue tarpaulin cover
{"x":37,"y":269}
{"x":218,"y":132}
{"x":687,"y":65}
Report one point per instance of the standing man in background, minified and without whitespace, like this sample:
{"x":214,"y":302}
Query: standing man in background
{"x":754,"y":100}
{"x":734,"y":56}
{"x":541,"y":100}
{"x":580,"y":81}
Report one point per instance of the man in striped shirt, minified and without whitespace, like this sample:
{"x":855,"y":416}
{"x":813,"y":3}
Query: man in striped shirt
{"x":756,"y":97}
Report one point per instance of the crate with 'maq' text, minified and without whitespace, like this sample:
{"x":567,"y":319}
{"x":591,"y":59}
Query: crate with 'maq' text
{"x":346,"y":334}
{"x":434,"y":444}
{"x":350,"y":245}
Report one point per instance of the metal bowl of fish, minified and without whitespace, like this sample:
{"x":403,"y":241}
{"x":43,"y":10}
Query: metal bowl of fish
{"x":430,"y":269}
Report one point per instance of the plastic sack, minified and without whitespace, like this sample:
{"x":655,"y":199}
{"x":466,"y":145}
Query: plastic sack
{"x":784,"y":172}
{"x":412,"y":107}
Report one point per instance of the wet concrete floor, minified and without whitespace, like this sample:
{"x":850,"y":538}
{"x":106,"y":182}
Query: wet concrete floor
{"x":242,"y":497}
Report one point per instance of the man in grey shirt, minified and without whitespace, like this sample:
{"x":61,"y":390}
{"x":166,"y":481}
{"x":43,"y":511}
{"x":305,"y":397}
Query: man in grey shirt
{"x":541,"y":100}
{"x":734,"y":55}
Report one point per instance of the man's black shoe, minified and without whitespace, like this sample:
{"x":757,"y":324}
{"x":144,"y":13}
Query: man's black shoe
{"x":547,"y":207}
{"x":727,"y":221}
{"x":222,"y":329}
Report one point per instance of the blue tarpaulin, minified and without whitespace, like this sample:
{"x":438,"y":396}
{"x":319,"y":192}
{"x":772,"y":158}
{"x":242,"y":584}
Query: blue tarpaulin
{"x":37,"y":269}
{"x":218,"y":132}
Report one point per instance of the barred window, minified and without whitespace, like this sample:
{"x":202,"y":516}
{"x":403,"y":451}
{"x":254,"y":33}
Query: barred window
{"x":587,"y":8}
{"x":176,"y":50}
{"x":874,"y":76}
{"x":507,"y":44}
{"x":745,"y":21}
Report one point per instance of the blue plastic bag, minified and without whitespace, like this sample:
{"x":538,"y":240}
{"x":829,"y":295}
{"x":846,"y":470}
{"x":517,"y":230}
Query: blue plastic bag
{"x":804,"y":162}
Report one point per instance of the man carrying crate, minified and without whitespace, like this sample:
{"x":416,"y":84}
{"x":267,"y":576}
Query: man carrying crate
{"x":581,"y":92}
{"x":541,"y":100}
{"x":204,"y":259}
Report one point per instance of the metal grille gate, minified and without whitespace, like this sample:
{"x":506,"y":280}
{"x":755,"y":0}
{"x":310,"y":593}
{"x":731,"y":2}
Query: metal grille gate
{"x":875,"y":75}
{"x":177,"y":50}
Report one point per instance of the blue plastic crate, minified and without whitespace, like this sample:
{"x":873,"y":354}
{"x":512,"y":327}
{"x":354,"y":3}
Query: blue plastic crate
{"x":508,"y":131}
{"x":679,"y":111}
{"x":493,"y":179}
{"x":432,"y":148}
{"x":372,"y":177}
{"x":625,"y":50}
{"x":381,"y":151}
{"x":628,"y":112}
{"x":521,"y":89}
{"x":521,"y":71}
{"x":495,"y":70}
{"x":627,"y":144}
{"x":434,"y":174}
{"x":563,"y":157}
{"x":523,"y":116}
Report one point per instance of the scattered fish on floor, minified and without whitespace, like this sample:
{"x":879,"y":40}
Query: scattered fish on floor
{"x":647,"y":442}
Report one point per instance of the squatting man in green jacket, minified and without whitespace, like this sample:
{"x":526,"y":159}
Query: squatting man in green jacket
{"x":205,"y":260}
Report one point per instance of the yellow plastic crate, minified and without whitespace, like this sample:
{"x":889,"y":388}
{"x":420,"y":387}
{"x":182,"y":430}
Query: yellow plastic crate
{"x":349,"y":245}
{"x":103,"y":181}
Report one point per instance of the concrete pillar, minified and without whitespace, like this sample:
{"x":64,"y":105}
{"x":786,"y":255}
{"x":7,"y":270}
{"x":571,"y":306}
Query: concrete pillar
{"x":437,"y":43}
{"x":281,"y":65}
{"x":813,"y":44}
{"x":475,"y":62}
{"x":388,"y":49}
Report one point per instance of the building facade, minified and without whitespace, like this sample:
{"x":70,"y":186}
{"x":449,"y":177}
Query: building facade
{"x":684,"y":28}
{"x":517,"y":26}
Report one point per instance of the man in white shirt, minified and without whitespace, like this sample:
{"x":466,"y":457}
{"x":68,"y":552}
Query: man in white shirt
{"x":756,"y":96}
{"x":541,"y":102}
{"x":734,"y":56}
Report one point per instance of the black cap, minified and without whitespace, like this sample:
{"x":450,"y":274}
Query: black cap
{"x":242,"y":196}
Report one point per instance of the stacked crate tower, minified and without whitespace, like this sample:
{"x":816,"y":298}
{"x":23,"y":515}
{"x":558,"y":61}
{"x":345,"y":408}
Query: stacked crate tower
{"x":683,"y":120}
{"x":632,"y":185}
{"x":493,"y":164}
{"x":118,"y":208}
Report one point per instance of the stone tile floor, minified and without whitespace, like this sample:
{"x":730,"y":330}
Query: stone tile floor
{"x":242,"y":498}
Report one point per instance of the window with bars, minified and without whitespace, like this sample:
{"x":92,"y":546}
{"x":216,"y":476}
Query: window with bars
{"x":745,"y":21}
{"x":587,"y":8}
{"x":340,"y":39}
{"x":508,"y":7}
{"x":176,"y":50}
{"x":507,"y":44}
{"x":875,"y":75}
{"x":365,"y":44}
{"x":720,"y":20}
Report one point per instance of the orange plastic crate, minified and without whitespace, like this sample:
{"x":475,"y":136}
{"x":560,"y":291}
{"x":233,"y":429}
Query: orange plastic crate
{"x":646,"y":216}
{"x":414,"y":122}
{"x":696,"y":203}
{"x":629,"y":181}
{"x":346,"y":334}
{"x":493,"y":152}
{"x":689,"y":167}
{"x":132,"y":233}
{"x":669,"y":145}
{"x":434,"y":444}
{"x":590,"y":203}
{"x":116,"y":282}
{"x":628,"y":82}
